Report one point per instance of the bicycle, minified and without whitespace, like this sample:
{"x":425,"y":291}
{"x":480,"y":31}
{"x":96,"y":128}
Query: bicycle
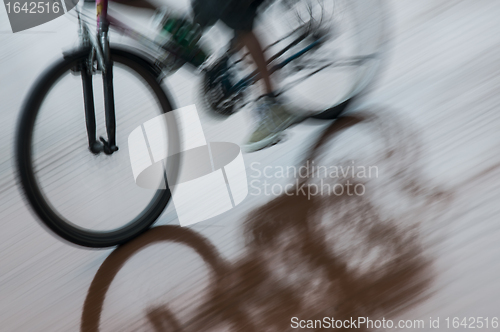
{"x":307,"y":35}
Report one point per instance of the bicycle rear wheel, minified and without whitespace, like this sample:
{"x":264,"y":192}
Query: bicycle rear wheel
{"x":350,"y":39}
{"x":91,"y":200}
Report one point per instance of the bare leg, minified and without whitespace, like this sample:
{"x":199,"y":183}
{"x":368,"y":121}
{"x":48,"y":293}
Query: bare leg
{"x":250,"y":41}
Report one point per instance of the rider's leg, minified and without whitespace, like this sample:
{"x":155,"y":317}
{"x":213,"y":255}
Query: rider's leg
{"x":250,"y":41}
{"x":272,"y":116}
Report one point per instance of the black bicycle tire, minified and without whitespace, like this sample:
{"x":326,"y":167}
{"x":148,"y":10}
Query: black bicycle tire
{"x":335,"y":111}
{"x":32,"y":192}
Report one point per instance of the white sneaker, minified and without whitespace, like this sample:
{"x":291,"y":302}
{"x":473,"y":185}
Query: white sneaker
{"x":274,"y":119}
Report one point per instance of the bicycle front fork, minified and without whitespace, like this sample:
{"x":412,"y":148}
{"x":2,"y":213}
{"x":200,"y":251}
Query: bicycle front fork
{"x":103,"y":145}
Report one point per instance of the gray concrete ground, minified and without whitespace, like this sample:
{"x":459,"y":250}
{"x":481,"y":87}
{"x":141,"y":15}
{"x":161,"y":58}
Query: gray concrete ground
{"x":422,"y":242}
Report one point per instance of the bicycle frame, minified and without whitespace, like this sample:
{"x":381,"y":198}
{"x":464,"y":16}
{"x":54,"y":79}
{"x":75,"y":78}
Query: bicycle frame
{"x":105,"y":20}
{"x":100,"y":52}
{"x":254,"y":77}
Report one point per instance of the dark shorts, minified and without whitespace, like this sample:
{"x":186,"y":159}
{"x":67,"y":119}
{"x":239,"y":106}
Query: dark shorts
{"x":239,"y":15}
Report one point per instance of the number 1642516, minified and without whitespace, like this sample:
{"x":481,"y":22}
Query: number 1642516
{"x":32,"y":7}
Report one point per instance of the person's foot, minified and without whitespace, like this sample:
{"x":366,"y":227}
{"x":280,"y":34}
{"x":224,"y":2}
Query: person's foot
{"x":273,"y":119}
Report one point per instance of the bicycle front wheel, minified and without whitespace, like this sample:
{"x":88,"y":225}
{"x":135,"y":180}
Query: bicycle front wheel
{"x":87,"y":199}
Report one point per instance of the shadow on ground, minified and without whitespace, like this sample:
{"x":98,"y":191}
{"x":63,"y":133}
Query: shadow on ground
{"x":316,"y":256}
